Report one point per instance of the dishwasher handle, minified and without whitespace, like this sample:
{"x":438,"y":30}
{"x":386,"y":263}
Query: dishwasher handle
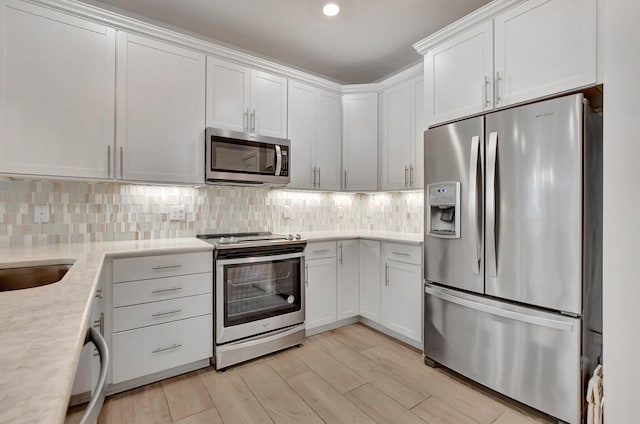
{"x":97,"y":399}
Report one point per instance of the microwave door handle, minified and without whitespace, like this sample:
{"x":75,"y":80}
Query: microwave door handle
{"x":278,"y":159}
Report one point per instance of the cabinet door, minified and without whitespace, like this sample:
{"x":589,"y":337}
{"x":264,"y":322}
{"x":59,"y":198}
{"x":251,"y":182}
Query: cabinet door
{"x":402,"y":299}
{"x":57,"y":76}
{"x":328,"y":139}
{"x":160,"y":111}
{"x":302,"y":133}
{"x":544,"y":47}
{"x":228,"y":95}
{"x":348,"y":284}
{"x":369,"y":276}
{"x":360,"y":141}
{"x":397,"y":137}
{"x":417,"y":170}
{"x":458,"y":75}
{"x":268,"y":104}
{"x":320,"y":292}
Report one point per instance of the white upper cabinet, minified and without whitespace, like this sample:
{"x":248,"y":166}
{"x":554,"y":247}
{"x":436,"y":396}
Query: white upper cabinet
{"x":228,"y":95}
{"x":160,"y":107}
{"x":315,"y":133}
{"x":360,"y":141}
{"x":459,"y":75}
{"x":401,"y":135}
{"x":544,"y":47}
{"x":534,"y":49}
{"x":57,"y":75}
{"x":247,"y":100}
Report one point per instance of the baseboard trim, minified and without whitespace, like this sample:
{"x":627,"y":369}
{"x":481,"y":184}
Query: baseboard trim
{"x":391,"y":333}
{"x":332,"y":326}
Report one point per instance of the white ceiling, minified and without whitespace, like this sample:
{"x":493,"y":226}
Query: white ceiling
{"x":367,"y":41}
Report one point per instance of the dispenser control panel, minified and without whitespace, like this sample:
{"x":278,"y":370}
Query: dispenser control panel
{"x":444,"y":194}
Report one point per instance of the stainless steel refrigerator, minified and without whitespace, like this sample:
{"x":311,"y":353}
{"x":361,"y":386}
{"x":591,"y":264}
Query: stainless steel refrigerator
{"x":513,"y":241}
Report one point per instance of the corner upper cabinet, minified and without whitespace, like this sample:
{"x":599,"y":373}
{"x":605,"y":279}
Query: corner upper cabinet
{"x":360,"y":141}
{"x":160,"y":107}
{"x":57,"y":76}
{"x":246,"y":100}
{"x":315,"y":132}
{"x":459,"y":75}
{"x":544,"y":47}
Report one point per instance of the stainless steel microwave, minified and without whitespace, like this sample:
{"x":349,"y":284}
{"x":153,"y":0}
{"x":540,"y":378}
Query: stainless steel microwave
{"x":242,"y":158}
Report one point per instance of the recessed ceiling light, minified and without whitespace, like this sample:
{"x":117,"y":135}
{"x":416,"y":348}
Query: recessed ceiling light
{"x":331,"y":9}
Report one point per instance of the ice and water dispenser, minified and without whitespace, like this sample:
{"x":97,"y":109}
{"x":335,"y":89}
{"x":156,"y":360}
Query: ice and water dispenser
{"x":443,"y":211}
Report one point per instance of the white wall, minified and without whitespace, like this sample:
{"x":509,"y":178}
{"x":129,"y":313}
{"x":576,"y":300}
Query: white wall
{"x":622,"y":210}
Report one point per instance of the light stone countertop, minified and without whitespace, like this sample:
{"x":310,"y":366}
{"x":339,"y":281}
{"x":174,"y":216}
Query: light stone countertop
{"x":42,"y":329}
{"x":391,"y":236}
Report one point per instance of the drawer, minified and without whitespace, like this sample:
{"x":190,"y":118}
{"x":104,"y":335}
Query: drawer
{"x":408,"y":253}
{"x":148,"y":350}
{"x":320,"y":250}
{"x":147,"y":267}
{"x":131,"y":317}
{"x":136,"y":292}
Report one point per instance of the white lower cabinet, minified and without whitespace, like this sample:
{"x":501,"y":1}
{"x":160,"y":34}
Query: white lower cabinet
{"x":348,"y":301}
{"x":320,"y":287}
{"x":402,"y":295}
{"x":162,"y":315}
{"x":369,"y":273}
{"x":148,"y":350}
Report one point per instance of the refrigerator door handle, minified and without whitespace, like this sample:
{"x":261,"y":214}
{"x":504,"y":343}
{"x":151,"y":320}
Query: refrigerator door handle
{"x":505,"y":313}
{"x":473,"y":205}
{"x":491,"y":206}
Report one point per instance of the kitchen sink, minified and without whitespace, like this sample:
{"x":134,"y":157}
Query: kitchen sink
{"x":25,"y":276}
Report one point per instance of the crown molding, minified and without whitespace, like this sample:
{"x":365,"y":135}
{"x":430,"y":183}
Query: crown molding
{"x":482,"y":15}
{"x":135,"y":26}
{"x":414,"y":71}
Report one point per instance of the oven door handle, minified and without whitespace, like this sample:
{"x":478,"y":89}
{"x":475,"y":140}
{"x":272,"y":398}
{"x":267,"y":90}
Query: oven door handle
{"x":253,"y":259}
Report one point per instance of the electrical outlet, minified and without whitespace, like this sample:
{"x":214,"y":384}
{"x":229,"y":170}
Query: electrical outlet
{"x":286,"y":212}
{"x":177,"y":213}
{"x":340,"y":212}
{"x":41,"y":213}
{"x":369,"y":212}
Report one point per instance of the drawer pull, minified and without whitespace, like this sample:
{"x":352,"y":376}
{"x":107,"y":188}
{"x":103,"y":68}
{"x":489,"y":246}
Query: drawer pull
{"x":166,"y":267}
{"x":163,"y":349}
{"x":167,"y":290}
{"x":160,"y":314}
{"x":322,"y":251}
{"x":401,"y":254}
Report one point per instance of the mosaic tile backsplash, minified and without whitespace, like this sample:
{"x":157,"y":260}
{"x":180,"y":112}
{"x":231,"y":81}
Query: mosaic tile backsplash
{"x":105,"y":211}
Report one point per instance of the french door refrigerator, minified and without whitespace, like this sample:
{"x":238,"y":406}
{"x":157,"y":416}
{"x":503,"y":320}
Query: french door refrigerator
{"x":513,"y":211}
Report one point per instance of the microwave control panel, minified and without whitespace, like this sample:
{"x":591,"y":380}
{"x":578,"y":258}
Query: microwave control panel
{"x":284,"y":168}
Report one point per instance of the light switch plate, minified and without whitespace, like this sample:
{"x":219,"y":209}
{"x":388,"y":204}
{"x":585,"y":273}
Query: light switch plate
{"x":177,"y":213}
{"x":41,"y":213}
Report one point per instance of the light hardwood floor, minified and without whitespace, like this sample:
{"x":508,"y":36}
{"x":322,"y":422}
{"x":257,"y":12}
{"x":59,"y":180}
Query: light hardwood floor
{"x":350,"y":375}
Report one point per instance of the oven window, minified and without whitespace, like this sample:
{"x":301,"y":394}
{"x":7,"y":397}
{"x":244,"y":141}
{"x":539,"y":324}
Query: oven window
{"x":247,"y":157}
{"x":261,"y":290}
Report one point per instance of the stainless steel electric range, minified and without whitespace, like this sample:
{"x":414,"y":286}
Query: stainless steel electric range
{"x":259,"y":281}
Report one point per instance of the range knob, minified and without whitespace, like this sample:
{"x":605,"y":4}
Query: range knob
{"x":298,"y":237}
{"x":290,"y":237}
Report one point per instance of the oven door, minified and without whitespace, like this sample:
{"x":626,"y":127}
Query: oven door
{"x":258,"y":294}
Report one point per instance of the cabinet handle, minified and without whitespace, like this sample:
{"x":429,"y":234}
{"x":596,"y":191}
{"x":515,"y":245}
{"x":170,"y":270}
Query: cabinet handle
{"x":167,"y":290}
{"x":121,"y":162}
{"x":99,"y":294}
{"x":487,"y":103}
{"x":162,"y":349}
{"x":411,"y":177}
{"x":406,"y":178}
{"x":166,"y":267}
{"x":386,"y":274}
{"x":401,"y":254}
{"x":314,"y":176}
{"x":345,"y":179}
{"x":108,"y":161}
{"x":306,"y":275}
{"x":253,"y":121}
{"x":341,"y":253}
{"x":245,"y":121}
{"x":160,"y":314}
{"x":322,"y":251}
{"x":498,"y":80}
{"x":319,"y":177}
